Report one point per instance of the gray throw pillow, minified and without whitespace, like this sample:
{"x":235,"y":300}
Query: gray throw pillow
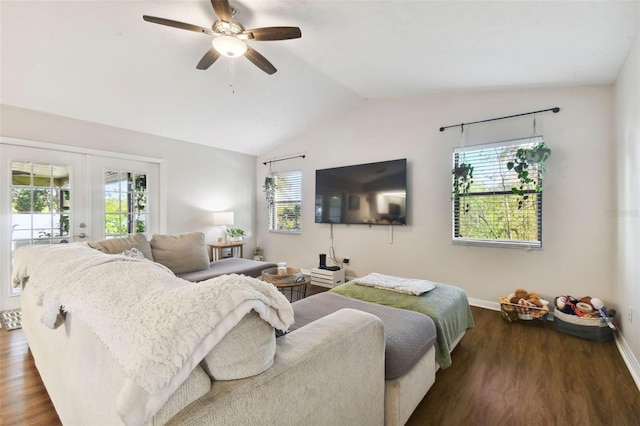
{"x":118,"y":245}
{"x":182,"y":252}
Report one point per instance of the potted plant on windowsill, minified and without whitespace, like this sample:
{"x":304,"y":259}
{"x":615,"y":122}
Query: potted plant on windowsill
{"x":525,"y":159}
{"x":235,"y":234}
{"x":462,"y":180}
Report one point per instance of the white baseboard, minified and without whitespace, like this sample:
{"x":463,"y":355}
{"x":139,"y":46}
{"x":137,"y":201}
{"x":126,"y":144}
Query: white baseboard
{"x":494,"y":306}
{"x":629,"y":358}
{"x":625,"y":351}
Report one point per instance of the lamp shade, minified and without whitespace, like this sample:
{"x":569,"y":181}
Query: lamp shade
{"x":222,"y":218}
{"x":229,"y":46}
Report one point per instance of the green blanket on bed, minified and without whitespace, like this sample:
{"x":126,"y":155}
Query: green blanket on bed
{"x":447,"y":305}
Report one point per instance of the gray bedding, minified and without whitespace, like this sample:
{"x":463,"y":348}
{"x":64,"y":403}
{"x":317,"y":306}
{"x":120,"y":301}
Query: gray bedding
{"x":408,"y":335}
{"x":447,"y":305}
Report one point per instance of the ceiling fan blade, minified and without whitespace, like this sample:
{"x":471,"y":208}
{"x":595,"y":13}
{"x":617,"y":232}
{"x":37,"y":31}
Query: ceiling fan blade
{"x":260,"y":61}
{"x":176,"y":24}
{"x":274,"y":33}
{"x":208,"y":59}
{"x":222,"y":10}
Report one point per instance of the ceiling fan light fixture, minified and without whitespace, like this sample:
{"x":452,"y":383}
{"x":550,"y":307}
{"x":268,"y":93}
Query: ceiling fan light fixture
{"x":229,"y":46}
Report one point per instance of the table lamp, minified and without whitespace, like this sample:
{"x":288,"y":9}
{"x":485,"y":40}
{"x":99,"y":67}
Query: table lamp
{"x":223,"y":219}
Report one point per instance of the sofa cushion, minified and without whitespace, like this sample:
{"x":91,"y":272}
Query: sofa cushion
{"x":408,"y":334}
{"x":246,"y":350}
{"x":118,"y":245}
{"x":230,"y":265}
{"x":182,"y":252}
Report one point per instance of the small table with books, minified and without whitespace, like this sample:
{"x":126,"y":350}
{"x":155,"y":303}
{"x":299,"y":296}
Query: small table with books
{"x":216,"y":250}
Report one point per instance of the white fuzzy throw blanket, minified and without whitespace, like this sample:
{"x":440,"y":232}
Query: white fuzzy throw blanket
{"x":399,"y":284}
{"x":157,"y":326}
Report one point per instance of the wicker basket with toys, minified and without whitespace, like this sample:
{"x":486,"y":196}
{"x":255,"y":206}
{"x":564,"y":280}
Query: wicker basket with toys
{"x":587,"y":318}
{"x":522,"y":305}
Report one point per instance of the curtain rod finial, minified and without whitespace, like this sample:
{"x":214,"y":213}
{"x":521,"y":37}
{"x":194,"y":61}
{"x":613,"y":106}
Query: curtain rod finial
{"x":556,"y":109}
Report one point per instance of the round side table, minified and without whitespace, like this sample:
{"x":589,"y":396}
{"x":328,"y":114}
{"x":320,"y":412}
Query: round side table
{"x":296,"y":290}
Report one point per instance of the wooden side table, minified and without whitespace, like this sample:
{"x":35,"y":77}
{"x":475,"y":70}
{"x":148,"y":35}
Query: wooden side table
{"x":297,"y":290}
{"x":215,"y":250}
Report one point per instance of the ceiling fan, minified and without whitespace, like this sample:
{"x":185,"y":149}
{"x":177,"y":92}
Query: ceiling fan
{"x":230,"y":36}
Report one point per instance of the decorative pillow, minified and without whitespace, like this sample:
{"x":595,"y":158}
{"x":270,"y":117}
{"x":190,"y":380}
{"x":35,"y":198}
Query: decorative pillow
{"x":118,"y":245}
{"x":133,"y":253}
{"x":181,"y":253}
{"x":246,"y":350}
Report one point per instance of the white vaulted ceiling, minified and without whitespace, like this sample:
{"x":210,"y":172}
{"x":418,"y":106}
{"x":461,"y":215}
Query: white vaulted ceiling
{"x":99,"y":61}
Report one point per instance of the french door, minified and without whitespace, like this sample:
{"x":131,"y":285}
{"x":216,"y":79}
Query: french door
{"x":55,"y":196}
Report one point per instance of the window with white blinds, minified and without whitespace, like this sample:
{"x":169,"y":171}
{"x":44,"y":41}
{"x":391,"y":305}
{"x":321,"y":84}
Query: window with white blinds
{"x":285,"y":212}
{"x":490,"y":213}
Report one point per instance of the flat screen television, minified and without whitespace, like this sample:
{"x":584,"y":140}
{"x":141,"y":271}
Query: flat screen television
{"x":369,"y":194}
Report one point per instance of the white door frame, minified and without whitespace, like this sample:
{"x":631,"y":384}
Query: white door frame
{"x":160,"y":220}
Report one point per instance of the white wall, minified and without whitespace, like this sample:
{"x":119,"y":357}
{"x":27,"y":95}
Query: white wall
{"x":627,"y":107}
{"x":199,"y":179}
{"x":579,"y":233}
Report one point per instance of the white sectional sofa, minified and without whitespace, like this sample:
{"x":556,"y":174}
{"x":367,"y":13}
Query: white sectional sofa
{"x":329,"y":372}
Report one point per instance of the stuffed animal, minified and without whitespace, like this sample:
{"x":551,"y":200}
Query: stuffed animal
{"x":534,"y":298}
{"x":520,"y":293}
{"x":528,"y":305}
{"x":571,"y":307}
{"x":563,"y":305}
{"x":586,"y":307}
{"x":586,"y":299}
{"x":602,"y":310}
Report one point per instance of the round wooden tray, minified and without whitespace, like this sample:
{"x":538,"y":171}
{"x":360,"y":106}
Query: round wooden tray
{"x":292,"y":276}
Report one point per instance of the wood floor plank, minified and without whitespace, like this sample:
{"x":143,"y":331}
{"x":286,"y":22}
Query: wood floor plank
{"x":502,"y":374}
{"x":23,"y":397}
{"x":517,"y":374}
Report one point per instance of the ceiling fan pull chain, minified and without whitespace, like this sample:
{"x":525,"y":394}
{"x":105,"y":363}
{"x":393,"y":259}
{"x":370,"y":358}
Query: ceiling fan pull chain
{"x":231,"y":77}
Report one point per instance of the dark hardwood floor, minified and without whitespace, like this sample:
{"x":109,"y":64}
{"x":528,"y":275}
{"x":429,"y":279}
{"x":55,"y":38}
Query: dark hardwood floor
{"x":23,"y":398}
{"x":521,"y":374}
{"x":502,"y":374}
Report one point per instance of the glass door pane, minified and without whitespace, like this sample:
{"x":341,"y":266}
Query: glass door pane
{"x":42,"y":199}
{"x":125,"y":197}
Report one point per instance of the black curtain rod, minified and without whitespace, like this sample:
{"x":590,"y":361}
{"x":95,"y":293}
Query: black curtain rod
{"x":556,"y":109}
{"x":282,"y":159}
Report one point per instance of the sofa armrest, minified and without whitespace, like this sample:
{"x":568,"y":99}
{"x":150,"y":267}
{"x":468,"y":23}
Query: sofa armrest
{"x":329,"y":372}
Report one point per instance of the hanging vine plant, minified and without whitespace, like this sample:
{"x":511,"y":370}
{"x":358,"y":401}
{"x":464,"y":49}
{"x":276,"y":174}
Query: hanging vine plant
{"x":523,"y":163}
{"x":269,"y":188}
{"x":462,"y":180}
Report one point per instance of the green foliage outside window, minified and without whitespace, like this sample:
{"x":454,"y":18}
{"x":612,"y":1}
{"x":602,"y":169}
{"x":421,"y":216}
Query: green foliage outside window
{"x":113,"y":224}
{"x":289,"y":217}
{"x":125,"y":203}
{"x":500,"y":217}
{"x":22,"y":200}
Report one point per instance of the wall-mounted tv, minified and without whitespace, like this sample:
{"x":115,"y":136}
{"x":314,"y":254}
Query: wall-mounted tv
{"x":369,"y":194}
